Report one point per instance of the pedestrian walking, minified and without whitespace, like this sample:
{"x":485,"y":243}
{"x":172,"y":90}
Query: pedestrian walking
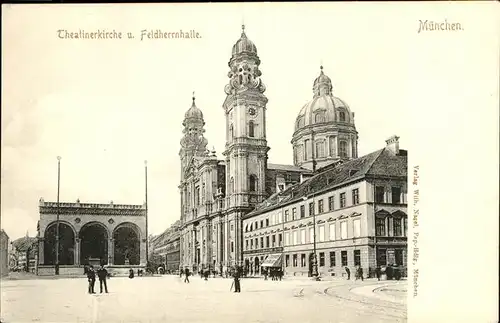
{"x":377,"y":272}
{"x":265,"y":274}
{"x":348,"y":273}
{"x":181,"y":273}
{"x":359,"y":273}
{"x":91,"y":279}
{"x":102,"y":273}
{"x":236,"y":276}
{"x":130,"y":273}
{"x":186,"y":273}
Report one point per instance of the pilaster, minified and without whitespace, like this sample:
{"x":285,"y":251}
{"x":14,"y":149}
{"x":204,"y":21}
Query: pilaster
{"x":41,"y":251}
{"x":111,"y":251}
{"x":77,"y":251}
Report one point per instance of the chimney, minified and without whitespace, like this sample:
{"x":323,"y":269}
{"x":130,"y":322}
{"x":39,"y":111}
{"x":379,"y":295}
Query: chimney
{"x":393,"y":144}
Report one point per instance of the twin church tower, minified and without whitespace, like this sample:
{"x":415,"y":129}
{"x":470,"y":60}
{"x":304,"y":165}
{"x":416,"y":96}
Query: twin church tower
{"x":217,"y":194}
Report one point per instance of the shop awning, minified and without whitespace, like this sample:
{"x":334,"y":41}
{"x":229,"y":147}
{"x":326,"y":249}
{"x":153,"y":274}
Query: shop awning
{"x":273,"y":260}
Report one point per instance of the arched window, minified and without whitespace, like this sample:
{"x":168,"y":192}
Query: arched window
{"x":300,"y":122}
{"x":343,"y":149}
{"x":251,"y":129}
{"x":299,"y":153}
{"x":342,"y":116}
{"x":320,"y":149}
{"x":319,"y":117}
{"x":307,"y":149}
{"x":332,"y":146}
{"x":231,"y":132}
{"x":253,"y":183}
{"x":231,"y":185}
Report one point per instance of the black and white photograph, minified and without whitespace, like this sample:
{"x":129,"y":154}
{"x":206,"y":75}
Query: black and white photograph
{"x":249,"y":162}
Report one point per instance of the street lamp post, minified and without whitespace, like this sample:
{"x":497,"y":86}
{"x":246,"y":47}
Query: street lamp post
{"x":315,"y":257}
{"x":283,"y":264}
{"x":57,"y":219}
{"x":315,"y":272}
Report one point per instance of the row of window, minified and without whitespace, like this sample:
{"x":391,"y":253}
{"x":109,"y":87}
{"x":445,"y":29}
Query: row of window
{"x":298,"y":237}
{"x":311,"y":208}
{"x":304,"y":152}
{"x":251,"y":130}
{"x":386,"y":226}
{"x":319,"y":117}
{"x":380,"y":197}
{"x":344,"y":260}
{"x":384,"y":258}
{"x":393,"y":226}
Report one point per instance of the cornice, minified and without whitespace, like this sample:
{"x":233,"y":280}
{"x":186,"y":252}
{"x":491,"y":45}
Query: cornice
{"x":63,"y":211}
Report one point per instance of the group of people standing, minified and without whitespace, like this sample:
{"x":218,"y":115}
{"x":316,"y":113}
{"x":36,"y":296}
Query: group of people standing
{"x":274,"y":273}
{"x":101,"y":273}
{"x":204,"y":273}
{"x":358,"y":274}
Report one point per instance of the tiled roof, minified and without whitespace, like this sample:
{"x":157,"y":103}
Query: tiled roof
{"x":2,"y":232}
{"x":379,"y":163}
{"x":291,"y":168}
{"x":22,"y":244}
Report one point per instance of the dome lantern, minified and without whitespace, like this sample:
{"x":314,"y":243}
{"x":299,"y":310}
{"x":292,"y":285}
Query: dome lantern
{"x":244,"y":45}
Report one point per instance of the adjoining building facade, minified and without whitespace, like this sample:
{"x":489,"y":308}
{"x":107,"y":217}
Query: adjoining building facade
{"x":167,"y":246}
{"x":354,"y":211}
{"x":90,"y":233}
{"x":4,"y":253}
{"x":24,"y":253}
{"x":173,"y":252}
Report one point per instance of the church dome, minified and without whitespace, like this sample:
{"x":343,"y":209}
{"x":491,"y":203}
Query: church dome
{"x":322,"y":79}
{"x":324,"y":108}
{"x":193,"y":112}
{"x":244,"y":45}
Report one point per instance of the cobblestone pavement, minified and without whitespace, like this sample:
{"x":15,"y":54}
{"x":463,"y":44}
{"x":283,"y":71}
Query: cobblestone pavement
{"x":168,"y":299}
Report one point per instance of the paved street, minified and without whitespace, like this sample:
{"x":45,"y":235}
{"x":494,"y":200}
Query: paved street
{"x":167,"y":299}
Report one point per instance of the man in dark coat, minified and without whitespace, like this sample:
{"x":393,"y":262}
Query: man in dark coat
{"x":348,"y":273}
{"x":237,"y":287}
{"x":102,"y":273}
{"x":186,"y":273}
{"x":91,"y":279}
{"x":359,"y":273}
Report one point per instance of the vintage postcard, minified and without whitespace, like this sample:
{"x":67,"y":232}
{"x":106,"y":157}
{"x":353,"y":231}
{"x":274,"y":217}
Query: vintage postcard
{"x":263,"y":162}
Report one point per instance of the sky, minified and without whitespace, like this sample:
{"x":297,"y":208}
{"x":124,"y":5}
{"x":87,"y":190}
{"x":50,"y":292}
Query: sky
{"x":105,"y":106}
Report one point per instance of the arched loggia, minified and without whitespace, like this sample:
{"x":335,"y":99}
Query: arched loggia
{"x":127,"y":244}
{"x":66,"y":244}
{"x":93,"y":243}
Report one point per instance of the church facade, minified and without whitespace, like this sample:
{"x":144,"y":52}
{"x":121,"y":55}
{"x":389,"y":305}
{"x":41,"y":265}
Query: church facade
{"x":216,"y":194}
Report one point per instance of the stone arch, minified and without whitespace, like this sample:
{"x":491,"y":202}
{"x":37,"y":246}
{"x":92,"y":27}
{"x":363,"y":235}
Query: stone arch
{"x":94,"y":238}
{"x":399,"y":213}
{"x":67,"y":235}
{"x":127,"y":244}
